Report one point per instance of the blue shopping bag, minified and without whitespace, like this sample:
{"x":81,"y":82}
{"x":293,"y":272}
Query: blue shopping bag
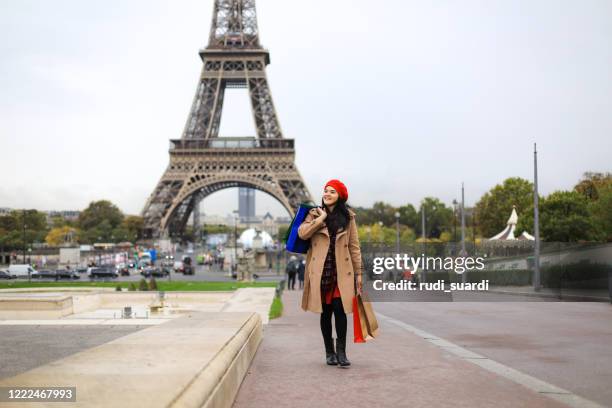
{"x":293,"y":242}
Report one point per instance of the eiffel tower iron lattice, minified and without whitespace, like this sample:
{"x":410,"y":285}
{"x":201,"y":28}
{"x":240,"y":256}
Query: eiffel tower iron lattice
{"x":201,"y":162}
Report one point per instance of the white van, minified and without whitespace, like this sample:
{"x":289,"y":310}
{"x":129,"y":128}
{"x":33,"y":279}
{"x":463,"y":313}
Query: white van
{"x":21,"y":271}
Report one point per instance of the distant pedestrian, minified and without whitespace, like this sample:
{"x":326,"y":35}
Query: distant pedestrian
{"x":301,"y":269}
{"x":292,"y":270}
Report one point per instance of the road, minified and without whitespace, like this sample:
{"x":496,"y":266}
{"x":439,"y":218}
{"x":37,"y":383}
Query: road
{"x":568,"y":344}
{"x":202,"y":273}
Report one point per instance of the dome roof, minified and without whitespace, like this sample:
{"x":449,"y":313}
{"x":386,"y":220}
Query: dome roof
{"x":246,"y":238}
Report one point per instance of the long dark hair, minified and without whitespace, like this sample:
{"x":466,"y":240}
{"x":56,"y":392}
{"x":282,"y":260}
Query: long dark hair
{"x":339,"y":217}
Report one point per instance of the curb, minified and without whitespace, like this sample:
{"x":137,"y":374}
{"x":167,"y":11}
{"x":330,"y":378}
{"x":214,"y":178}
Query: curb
{"x":217,"y":383}
{"x":577,"y":298}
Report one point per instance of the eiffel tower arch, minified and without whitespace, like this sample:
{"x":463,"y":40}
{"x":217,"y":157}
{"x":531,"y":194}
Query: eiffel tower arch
{"x":202,"y":162}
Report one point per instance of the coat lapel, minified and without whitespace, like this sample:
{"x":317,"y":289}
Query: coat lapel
{"x":325,"y":231}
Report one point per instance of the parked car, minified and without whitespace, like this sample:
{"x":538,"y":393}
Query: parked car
{"x":188,"y":270}
{"x":160,"y":272}
{"x":81,"y":270}
{"x":154,"y":271}
{"x":44,"y":274}
{"x":102,"y":272}
{"x":6,"y":275}
{"x":67,"y":274}
{"x":21,"y":271}
{"x":123,"y":269}
{"x":178,"y":266}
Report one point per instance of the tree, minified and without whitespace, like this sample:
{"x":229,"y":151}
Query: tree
{"x":408,"y":216}
{"x":494,"y":207}
{"x":601,"y":213}
{"x":591,"y":183}
{"x":381,"y":234}
{"x":218,"y":228}
{"x":438,"y":217}
{"x":61,"y":235}
{"x":100,"y":221}
{"x":385,"y":213}
{"x":121,"y":234}
{"x":99,"y":211}
{"x":380,"y":211}
{"x":58,"y":221}
{"x":133,"y":225}
{"x":282,"y":231}
{"x":407,"y":235}
{"x":445,"y":236}
{"x":102,"y":232}
{"x":12,"y":224}
{"x":363,"y":215}
{"x":564,"y":217}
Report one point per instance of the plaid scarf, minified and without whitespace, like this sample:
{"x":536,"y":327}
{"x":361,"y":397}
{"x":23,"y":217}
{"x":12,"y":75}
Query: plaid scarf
{"x":329,"y":276}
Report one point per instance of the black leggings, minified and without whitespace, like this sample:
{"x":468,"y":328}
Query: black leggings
{"x":340,"y":317}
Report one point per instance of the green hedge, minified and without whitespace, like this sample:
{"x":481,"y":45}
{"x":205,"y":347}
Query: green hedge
{"x":276,"y":308}
{"x":577,"y":276}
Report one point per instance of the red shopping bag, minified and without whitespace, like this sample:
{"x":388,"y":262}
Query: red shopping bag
{"x":357,"y":332}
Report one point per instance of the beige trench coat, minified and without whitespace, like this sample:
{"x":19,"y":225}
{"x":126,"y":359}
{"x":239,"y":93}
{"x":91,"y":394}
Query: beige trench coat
{"x":348,"y":261}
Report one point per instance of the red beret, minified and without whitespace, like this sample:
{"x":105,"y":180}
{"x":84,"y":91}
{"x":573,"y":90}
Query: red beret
{"x":339,"y":187}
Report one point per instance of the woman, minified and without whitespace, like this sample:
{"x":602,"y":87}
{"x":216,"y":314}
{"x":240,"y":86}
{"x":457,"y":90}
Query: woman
{"x":333,"y":261}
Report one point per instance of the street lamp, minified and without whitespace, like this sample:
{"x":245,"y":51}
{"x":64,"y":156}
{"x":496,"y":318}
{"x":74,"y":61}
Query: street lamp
{"x":463,"y":252}
{"x":24,"y":236}
{"x":424,"y":243}
{"x":455,"y":220}
{"x":397,"y":234}
{"x":113,"y":250}
{"x":423,"y":233}
{"x":99,"y":254}
{"x":235,"y":260}
{"x":380,"y":223}
{"x":29,"y":264}
{"x":536,"y":224}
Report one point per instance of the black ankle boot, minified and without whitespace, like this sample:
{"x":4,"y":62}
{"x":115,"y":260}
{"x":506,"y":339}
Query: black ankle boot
{"x":330,"y":354}
{"x":341,"y":351}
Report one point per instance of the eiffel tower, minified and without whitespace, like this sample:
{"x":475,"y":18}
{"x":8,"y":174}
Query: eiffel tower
{"x":202,"y":162}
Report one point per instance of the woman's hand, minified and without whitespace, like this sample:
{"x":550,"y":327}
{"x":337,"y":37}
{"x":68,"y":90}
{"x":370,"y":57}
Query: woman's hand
{"x":359,"y":284}
{"x":321,"y":214}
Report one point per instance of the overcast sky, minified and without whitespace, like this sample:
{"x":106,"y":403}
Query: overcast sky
{"x":399,"y":99}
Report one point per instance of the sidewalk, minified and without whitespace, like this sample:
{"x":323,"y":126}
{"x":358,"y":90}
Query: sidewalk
{"x":397,"y":369}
